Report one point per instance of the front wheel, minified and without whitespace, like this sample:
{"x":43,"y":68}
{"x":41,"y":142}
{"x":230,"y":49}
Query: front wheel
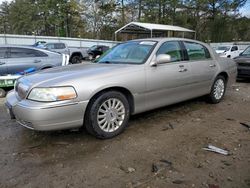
{"x":218,"y":90}
{"x":2,"y":93}
{"x":107,"y":115}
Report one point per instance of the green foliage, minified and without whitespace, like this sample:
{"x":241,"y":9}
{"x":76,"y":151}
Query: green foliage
{"x":213,"y":20}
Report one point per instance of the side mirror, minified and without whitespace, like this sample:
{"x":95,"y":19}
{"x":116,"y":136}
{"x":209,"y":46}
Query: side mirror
{"x":240,"y":54}
{"x":163,"y":58}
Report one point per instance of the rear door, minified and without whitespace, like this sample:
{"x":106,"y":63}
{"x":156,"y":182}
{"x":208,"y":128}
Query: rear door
{"x":203,"y":67}
{"x":21,"y":59}
{"x":3,"y":62}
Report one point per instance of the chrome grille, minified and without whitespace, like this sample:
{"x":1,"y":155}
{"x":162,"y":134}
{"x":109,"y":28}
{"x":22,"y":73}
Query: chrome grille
{"x":244,"y":64}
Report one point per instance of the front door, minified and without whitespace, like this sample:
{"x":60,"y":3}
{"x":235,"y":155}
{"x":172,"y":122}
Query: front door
{"x":168,"y":83}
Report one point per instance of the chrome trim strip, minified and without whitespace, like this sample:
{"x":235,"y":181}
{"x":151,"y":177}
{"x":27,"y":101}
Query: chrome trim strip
{"x":53,"y":106}
{"x":19,"y":122}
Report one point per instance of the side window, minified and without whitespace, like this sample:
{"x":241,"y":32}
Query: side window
{"x":25,"y":52}
{"x":171,"y":48}
{"x":3,"y":52}
{"x":50,"y":46}
{"x":196,"y":51}
{"x":59,"y":46}
{"x":234,"y":48}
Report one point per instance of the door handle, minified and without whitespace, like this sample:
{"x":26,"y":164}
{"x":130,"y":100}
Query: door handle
{"x":182,"y":70}
{"x":213,"y":65}
{"x":37,"y":61}
{"x":2,"y":63}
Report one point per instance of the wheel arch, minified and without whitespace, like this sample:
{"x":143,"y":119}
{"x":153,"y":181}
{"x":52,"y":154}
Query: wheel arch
{"x":75,"y":54}
{"x":224,"y":74}
{"x":46,"y":67}
{"x":127,"y":93}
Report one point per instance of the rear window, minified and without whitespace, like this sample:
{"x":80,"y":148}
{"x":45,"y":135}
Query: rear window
{"x":59,"y":46}
{"x":196,"y":51}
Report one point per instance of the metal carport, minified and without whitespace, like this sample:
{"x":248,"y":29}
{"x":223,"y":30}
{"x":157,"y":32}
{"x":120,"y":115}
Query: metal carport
{"x":152,"y":29}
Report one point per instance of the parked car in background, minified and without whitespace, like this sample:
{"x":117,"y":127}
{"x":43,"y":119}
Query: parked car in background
{"x":39,"y":44}
{"x":131,"y":78}
{"x":228,"y":51}
{"x":76,"y":55}
{"x":15,"y":59}
{"x":243,"y":63}
{"x":96,"y":50}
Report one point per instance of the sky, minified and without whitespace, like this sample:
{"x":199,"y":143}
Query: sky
{"x":245,"y":11}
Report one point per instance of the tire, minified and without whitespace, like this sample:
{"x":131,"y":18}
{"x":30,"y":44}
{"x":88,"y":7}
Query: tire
{"x":218,"y":90}
{"x":229,"y":56}
{"x":2,"y":93}
{"x":76,"y":59}
{"x":113,"y":110}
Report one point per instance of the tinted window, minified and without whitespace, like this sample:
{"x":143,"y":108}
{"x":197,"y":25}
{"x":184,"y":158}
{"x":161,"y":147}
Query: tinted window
{"x":196,"y":51}
{"x":25,"y":52}
{"x":59,"y":46}
{"x":171,"y":48}
{"x":50,"y":46}
{"x":3,"y":52}
{"x":234,"y":48}
{"x":246,"y":51}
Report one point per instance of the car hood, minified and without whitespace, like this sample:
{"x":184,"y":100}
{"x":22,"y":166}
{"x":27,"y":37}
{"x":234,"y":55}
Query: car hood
{"x":220,"y":51}
{"x":55,"y":76}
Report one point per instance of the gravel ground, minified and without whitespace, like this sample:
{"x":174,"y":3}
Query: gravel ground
{"x":160,"y":148}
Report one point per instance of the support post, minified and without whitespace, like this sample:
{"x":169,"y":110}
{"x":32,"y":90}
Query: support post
{"x":115,"y":36}
{"x":151,"y":33}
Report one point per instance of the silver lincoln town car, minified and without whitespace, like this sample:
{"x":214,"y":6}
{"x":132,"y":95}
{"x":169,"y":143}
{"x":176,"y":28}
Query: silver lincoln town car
{"x":131,"y":78}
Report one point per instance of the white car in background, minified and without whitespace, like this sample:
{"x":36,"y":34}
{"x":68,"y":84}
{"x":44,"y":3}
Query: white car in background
{"x":230,"y":51}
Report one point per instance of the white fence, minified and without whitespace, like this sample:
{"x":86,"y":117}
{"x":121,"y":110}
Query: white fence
{"x":71,"y":42}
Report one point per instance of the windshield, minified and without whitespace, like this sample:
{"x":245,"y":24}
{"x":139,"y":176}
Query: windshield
{"x":93,"y":47}
{"x":134,"y":52}
{"x":224,"y":48}
{"x":246,"y":52}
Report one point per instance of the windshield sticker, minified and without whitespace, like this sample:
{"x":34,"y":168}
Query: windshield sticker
{"x":151,"y":43}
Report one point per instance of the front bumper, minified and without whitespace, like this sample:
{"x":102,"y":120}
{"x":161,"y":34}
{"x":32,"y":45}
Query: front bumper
{"x":243,"y":72}
{"x":46,"y":116}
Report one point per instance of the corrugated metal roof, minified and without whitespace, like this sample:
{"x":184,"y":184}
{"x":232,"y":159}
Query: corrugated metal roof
{"x":150,"y":26}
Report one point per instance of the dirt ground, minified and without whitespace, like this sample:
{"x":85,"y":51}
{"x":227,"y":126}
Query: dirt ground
{"x":160,"y":148}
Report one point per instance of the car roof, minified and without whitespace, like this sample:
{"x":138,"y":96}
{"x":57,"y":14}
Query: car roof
{"x":164,"y":39}
{"x":17,"y":46}
{"x":27,"y":47}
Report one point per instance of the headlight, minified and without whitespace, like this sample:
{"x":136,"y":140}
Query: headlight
{"x":52,"y":94}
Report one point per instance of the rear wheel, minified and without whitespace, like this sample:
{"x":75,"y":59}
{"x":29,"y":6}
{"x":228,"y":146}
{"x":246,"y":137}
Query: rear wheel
{"x":107,"y":115}
{"x":218,"y":90}
{"x":2,"y":93}
{"x":76,"y":59}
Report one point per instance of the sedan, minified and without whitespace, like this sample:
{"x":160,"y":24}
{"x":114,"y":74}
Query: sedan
{"x":15,"y":59}
{"x":243,"y":63}
{"x":133,"y":77}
